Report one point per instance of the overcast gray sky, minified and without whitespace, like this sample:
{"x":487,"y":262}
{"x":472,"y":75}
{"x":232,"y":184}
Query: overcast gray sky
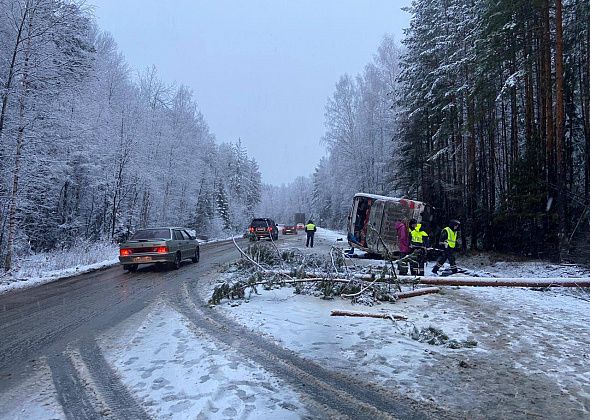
{"x":260,"y":70}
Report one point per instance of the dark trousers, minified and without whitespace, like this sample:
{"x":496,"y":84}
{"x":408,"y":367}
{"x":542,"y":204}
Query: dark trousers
{"x":418,"y":261}
{"x":447,"y":254}
{"x":309,"y":241}
{"x":403,"y":266}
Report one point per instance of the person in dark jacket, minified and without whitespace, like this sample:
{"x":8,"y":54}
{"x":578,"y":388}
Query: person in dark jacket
{"x":448,"y":244}
{"x":310,"y":229}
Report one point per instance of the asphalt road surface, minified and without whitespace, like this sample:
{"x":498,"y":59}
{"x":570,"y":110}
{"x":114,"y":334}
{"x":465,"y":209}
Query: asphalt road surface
{"x":50,"y":320}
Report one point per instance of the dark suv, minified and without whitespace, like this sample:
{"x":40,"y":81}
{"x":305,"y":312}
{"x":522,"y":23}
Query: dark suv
{"x":263,"y":228}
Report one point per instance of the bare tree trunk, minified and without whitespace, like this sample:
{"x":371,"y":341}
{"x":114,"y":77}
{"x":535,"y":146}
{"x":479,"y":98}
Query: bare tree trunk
{"x":17,"y":157}
{"x":11,"y":67}
{"x":560,"y":123}
{"x":548,"y":86}
{"x":119,"y":178}
{"x":472,"y":169}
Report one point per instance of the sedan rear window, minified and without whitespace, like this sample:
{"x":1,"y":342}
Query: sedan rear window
{"x":261,"y":223}
{"x":151,"y":234}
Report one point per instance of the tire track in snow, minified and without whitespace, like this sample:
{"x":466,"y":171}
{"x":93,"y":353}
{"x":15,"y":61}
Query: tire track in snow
{"x":108,"y":385}
{"x":71,"y":394}
{"x":351,"y":398}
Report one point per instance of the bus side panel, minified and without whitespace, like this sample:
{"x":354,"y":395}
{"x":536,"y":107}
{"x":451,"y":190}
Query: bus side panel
{"x":352,"y":218}
{"x":374,"y":228}
{"x":393,"y":214}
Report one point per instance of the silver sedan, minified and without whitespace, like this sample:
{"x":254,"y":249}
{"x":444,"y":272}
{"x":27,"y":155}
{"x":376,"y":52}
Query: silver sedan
{"x":166,"y":245}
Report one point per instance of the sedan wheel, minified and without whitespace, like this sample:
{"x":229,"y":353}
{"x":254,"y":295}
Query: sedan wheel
{"x":130,"y":267}
{"x":177,"y":261}
{"x":197,"y":256}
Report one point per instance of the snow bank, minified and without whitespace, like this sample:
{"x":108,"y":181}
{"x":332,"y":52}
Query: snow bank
{"x":46,"y":267}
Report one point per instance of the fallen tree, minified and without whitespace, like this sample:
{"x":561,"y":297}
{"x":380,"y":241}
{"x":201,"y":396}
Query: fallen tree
{"x":416,"y":292}
{"x":470,"y":281}
{"x":394,"y":317}
{"x":262,"y":265}
{"x":494,"y":281}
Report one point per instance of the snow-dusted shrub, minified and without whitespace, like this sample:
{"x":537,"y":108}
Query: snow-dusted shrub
{"x":82,"y":253}
{"x":436,"y":337}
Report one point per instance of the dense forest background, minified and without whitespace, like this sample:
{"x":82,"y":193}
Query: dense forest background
{"x":483,"y":112}
{"x":91,"y":149}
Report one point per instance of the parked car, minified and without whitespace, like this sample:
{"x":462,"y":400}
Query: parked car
{"x":290,"y":230}
{"x":300,"y":226}
{"x":263,"y":228}
{"x":166,"y":245}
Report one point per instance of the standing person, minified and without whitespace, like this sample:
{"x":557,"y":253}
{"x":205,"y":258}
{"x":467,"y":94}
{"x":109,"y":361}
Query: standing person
{"x":448,"y":240}
{"x":404,"y":246}
{"x":310,"y":229}
{"x":418,"y":244}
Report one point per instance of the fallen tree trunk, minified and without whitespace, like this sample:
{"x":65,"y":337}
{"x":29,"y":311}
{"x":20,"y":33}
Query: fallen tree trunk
{"x":500,"y":282}
{"x":368,"y":315}
{"x":475,"y":281}
{"x":417,"y":292}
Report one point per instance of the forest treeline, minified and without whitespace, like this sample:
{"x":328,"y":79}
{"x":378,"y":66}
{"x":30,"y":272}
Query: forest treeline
{"x":90,"y":149}
{"x":483,"y":112}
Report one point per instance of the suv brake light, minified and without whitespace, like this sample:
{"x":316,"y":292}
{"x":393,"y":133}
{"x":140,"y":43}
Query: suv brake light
{"x":251,"y":229}
{"x":269,"y":229}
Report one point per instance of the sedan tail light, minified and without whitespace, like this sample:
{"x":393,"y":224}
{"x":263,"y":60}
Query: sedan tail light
{"x":125,"y":252}
{"x":162,"y":249}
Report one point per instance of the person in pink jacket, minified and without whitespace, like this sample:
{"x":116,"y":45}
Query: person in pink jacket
{"x":403,"y":237}
{"x":404,"y":245}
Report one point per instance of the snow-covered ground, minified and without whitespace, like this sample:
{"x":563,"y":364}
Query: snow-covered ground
{"x":43,"y":268}
{"x":34,"y":398}
{"x":532,"y":347}
{"x":528,"y":354}
{"x":177,"y":372}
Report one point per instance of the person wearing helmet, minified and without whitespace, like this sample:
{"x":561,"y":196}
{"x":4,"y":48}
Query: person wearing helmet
{"x":448,"y":243}
{"x":418,"y":245}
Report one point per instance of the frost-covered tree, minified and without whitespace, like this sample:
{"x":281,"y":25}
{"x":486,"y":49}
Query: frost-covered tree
{"x":361,"y":122}
{"x":494,"y":126}
{"x":91,"y":151}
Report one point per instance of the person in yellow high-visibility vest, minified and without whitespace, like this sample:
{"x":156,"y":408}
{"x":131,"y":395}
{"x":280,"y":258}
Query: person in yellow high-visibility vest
{"x":448,"y":241}
{"x":310,"y":229}
{"x":418,"y":244}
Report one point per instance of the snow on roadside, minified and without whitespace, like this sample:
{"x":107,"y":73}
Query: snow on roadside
{"x":530,"y":344}
{"x":500,"y":266}
{"x":176,"y":372}
{"x":379,"y":348}
{"x":46,"y":267}
{"x":331,"y":236}
{"x":34,"y":398}
{"x":43,"y":268}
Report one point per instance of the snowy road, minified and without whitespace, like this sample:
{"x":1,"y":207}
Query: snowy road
{"x":144,"y":345}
